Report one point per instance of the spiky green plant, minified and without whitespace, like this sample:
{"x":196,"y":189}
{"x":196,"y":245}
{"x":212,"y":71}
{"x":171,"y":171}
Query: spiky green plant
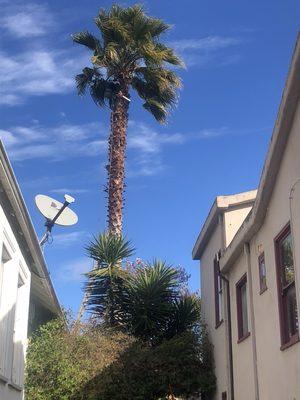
{"x":127,"y":56}
{"x":105,"y":285}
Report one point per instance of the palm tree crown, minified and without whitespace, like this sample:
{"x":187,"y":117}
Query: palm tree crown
{"x":129,"y":53}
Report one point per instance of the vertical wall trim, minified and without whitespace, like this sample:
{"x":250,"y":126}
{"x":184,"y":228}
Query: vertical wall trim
{"x":252,"y":319}
{"x":297,"y":282}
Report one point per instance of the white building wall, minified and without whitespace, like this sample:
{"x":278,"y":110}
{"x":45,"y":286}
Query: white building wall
{"x":14,"y":305}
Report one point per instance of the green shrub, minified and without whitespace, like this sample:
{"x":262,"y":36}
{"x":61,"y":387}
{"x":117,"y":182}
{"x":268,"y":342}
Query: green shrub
{"x":59,"y":362}
{"x":100,"y":364}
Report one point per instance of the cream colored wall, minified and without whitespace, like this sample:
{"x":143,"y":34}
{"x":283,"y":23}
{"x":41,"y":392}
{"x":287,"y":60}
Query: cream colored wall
{"x":233,"y":220}
{"x":242,"y":352}
{"x":217,"y":336}
{"x":278,"y":371}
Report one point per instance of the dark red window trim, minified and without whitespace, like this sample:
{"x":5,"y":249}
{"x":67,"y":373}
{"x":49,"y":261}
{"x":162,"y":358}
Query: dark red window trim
{"x":218,"y":318}
{"x":285,"y":341}
{"x":224,"y":395}
{"x":241,"y":335}
{"x":262,"y":287}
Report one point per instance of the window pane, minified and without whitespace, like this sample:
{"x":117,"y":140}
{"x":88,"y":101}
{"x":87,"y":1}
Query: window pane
{"x":262,"y":274}
{"x":291,"y":311}
{"x":244,"y":309}
{"x":287,"y":262}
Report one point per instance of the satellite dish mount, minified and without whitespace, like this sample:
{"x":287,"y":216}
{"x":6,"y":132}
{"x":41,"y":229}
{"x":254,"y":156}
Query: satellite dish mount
{"x":55,"y":212}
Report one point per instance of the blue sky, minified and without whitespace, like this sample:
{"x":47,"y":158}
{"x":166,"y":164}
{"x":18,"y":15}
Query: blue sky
{"x":237,"y":55}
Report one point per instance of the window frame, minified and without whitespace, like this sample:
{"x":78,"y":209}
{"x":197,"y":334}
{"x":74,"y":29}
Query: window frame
{"x":224,"y":395}
{"x":218,"y":291}
{"x":287,"y":340}
{"x":262,"y":285}
{"x":241,"y":335}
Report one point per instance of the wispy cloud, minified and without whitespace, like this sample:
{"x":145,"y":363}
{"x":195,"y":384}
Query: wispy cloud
{"x":207,"y":50}
{"x":207,"y":43}
{"x":73,"y":271}
{"x":53,"y":143}
{"x":26,"y":20}
{"x":69,"y":191}
{"x":68,"y":239}
{"x":146,"y":144}
{"x":36,"y":73}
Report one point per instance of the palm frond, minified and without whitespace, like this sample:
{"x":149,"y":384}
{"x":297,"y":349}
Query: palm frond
{"x":89,"y":40}
{"x":149,"y":299}
{"x":156,"y":109}
{"x":109,"y":250}
{"x":185,"y":315}
{"x":86,"y":78}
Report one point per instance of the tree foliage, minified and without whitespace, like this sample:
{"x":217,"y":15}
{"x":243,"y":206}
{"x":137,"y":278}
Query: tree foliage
{"x":129,"y":53}
{"x":101,"y":364}
{"x":105,"y":283}
{"x":59,"y":361}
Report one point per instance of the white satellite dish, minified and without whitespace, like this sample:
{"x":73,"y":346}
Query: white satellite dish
{"x":55,"y":212}
{"x":50,"y":207}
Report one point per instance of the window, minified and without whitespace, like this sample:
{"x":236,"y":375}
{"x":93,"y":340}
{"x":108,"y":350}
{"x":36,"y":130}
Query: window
{"x":218,"y":292}
{"x":262,"y":273}
{"x":242,"y":309}
{"x":5,"y":257}
{"x":288,"y":311}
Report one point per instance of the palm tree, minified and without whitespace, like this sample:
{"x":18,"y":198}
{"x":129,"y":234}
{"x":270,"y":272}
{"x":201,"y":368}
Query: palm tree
{"x":127,"y":55}
{"x":105,"y":285}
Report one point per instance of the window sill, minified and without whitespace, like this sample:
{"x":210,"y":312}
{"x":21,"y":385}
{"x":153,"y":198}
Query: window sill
{"x":293,"y":340}
{"x":243,"y":338}
{"x":16,"y":387}
{"x":219,"y":324}
{"x":263,"y":290}
{"x":3,"y":379}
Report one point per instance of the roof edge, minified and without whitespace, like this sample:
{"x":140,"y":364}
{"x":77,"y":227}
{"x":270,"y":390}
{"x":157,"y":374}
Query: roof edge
{"x":221,"y":204}
{"x":285,"y":116}
{"x":16,"y":199}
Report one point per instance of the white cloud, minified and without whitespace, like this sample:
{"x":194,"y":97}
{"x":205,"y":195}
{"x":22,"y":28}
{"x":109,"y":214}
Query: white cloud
{"x":69,"y":191}
{"x":69,"y":238}
{"x":36,"y":73}
{"x":53,"y":143}
{"x":207,"y":50}
{"x":208,"y":43}
{"x":146,"y":144}
{"x":144,"y":138}
{"x":73,"y":271}
{"x":66,"y":141}
{"x":26,"y":20}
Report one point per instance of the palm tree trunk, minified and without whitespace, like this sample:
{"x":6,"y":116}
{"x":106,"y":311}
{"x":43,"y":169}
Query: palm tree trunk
{"x":116,"y":163}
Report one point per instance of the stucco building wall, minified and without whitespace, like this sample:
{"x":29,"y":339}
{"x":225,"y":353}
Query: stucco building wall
{"x":217,"y":336}
{"x":262,"y":368}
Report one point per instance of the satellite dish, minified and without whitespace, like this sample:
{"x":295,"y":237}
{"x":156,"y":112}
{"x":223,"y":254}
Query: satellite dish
{"x":50,"y":207}
{"x":55,"y":212}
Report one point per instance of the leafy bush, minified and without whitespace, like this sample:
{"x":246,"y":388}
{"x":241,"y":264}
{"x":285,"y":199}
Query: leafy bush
{"x":180,"y":366}
{"x":101,"y":364}
{"x":59,"y":362}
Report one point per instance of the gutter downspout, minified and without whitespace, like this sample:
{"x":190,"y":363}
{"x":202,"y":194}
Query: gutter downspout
{"x":252,"y":319}
{"x":229,"y":335}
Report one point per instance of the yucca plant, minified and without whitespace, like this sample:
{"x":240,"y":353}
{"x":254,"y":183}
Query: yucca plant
{"x":127,"y":56}
{"x":150,"y":295}
{"x":105,"y":284}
